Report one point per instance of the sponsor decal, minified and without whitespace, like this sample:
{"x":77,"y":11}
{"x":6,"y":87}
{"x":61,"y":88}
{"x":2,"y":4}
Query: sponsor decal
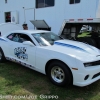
{"x":14,"y":60}
{"x":20,"y":53}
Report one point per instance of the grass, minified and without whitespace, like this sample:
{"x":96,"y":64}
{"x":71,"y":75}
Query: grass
{"x":16,"y":80}
{"x":84,"y":34}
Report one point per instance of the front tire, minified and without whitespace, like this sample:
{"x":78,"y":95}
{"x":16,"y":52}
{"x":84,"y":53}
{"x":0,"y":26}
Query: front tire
{"x":59,"y":74}
{"x":2,"y":57}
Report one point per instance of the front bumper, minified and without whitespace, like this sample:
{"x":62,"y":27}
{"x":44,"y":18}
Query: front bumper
{"x":93,"y":73}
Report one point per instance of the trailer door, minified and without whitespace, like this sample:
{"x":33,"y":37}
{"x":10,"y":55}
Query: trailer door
{"x":40,"y":25}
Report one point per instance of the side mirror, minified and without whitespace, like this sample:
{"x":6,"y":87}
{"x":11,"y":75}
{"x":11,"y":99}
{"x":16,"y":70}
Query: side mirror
{"x":28,"y":43}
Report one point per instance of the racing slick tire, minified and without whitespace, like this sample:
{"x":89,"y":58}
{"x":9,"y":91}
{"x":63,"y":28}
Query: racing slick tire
{"x":59,"y":74}
{"x":2,"y":56}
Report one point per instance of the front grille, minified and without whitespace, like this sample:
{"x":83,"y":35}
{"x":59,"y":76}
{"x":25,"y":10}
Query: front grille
{"x":96,"y":75}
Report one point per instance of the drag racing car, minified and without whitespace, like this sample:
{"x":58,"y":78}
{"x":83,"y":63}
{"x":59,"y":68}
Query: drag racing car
{"x":63,"y":61}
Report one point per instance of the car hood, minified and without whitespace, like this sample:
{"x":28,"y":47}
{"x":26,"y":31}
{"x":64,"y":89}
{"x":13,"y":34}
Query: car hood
{"x":76,"y":49}
{"x":79,"y":46}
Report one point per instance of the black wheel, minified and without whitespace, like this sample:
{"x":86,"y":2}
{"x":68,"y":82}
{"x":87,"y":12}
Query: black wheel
{"x":2,"y":57}
{"x":59,"y":74}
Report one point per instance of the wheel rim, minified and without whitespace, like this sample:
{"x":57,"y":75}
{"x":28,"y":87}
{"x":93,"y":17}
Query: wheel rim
{"x":57,"y":74}
{"x":0,"y":55}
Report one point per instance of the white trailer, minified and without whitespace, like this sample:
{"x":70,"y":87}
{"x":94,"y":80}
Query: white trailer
{"x":68,"y":17}
{"x":54,"y":12}
{"x":64,"y":13}
{"x":63,"y":17}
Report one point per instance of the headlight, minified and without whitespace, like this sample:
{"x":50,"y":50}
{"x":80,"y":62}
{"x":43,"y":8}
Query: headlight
{"x":92,"y":63}
{"x":88,"y":64}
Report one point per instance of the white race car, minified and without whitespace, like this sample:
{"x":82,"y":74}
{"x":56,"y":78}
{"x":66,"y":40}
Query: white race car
{"x":63,"y":61}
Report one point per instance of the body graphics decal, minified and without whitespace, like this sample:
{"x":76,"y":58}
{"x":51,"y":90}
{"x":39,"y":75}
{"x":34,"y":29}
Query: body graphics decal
{"x":70,"y":46}
{"x":19,"y":62}
{"x":2,"y":40}
{"x":20,"y":53}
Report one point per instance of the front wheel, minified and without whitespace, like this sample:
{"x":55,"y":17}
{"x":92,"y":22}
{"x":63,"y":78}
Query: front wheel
{"x":59,"y":74}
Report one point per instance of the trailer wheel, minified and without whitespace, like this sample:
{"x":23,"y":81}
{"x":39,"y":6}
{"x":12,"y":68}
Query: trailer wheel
{"x":2,"y":56}
{"x":59,"y":74}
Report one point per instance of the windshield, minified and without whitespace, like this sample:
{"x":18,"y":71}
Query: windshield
{"x":46,"y":38}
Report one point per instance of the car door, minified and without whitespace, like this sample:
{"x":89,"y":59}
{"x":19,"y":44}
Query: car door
{"x":20,"y":52}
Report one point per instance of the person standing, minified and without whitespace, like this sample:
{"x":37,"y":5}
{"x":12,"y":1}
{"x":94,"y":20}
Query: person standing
{"x":25,"y":27}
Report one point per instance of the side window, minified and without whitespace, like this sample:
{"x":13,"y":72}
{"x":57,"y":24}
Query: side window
{"x":18,"y":37}
{"x":10,"y":37}
{"x":14,"y":37}
{"x":24,"y":37}
{"x":44,"y":3}
{"x":74,"y":1}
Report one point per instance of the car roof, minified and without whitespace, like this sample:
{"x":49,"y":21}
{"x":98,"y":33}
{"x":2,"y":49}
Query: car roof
{"x":30,"y":31}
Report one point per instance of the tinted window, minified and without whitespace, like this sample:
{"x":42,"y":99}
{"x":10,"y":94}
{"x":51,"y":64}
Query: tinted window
{"x":45,"y":39}
{"x":18,"y":37}
{"x":39,"y":3}
{"x":71,"y":1}
{"x":49,"y":3}
{"x":74,"y":1}
{"x":44,"y":3}
{"x":77,"y":1}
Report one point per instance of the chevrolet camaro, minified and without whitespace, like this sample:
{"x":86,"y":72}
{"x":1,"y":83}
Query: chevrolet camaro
{"x":63,"y":61}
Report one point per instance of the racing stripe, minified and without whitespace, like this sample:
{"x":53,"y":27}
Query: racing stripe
{"x":2,"y":40}
{"x":70,"y":46}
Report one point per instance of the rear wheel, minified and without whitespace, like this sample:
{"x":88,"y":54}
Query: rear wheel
{"x":2,"y":57}
{"x":59,"y":74}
